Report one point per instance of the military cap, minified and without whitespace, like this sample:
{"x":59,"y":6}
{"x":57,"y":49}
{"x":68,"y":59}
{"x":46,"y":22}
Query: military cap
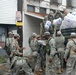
{"x":16,"y":35}
{"x":38,"y":36}
{"x":73,"y":34}
{"x":9,"y":32}
{"x":34,"y":34}
{"x":46,"y":33}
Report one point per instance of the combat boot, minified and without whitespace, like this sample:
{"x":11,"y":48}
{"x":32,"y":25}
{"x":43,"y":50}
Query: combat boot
{"x":59,"y":71}
{"x":36,"y":73}
{"x":62,"y":69}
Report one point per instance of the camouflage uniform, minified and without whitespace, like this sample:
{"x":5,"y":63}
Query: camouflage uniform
{"x":17,"y":60}
{"x":55,"y":60}
{"x":51,"y":67}
{"x":60,"y":47}
{"x":9,"y":40}
{"x":50,"y":18}
{"x":35,"y":61}
{"x":41,"y":45}
{"x":71,"y":62}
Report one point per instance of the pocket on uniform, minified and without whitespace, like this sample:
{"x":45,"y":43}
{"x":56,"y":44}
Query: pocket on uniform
{"x":70,"y":62}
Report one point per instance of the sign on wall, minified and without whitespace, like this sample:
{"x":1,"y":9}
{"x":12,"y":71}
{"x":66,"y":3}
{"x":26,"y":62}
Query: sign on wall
{"x":18,"y":16}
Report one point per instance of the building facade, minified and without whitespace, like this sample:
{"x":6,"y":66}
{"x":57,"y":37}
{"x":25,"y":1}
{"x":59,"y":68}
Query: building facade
{"x":35,"y":10}
{"x":8,"y":9}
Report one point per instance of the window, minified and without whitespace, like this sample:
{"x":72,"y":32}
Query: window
{"x":43,"y":10}
{"x":30,"y":8}
{"x":56,"y":1}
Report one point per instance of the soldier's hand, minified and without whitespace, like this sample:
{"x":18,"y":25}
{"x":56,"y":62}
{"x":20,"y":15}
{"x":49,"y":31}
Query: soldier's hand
{"x":50,"y":60}
{"x":54,"y":30}
{"x":24,"y":48}
{"x":65,"y":60}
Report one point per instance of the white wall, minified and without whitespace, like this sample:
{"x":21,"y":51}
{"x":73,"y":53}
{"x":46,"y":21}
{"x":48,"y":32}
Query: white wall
{"x":8,"y":10}
{"x":46,"y":4}
{"x":31,"y":25}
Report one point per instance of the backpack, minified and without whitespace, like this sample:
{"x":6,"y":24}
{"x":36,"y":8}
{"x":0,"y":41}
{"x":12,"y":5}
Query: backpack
{"x":48,"y":47}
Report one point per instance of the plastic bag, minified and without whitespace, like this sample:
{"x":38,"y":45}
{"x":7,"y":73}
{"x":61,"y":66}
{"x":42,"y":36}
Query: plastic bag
{"x":57,"y":21}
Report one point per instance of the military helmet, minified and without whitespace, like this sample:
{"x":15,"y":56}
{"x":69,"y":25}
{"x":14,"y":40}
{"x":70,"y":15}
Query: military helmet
{"x":46,"y":33}
{"x":38,"y":36}
{"x":16,"y":35}
{"x":34,"y":34}
{"x":10,"y":33}
{"x":73,"y":35}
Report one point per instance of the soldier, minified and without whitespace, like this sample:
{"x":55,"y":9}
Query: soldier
{"x":71,"y":51}
{"x":50,"y":18}
{"x":41,"y":45}
{"x":35,"y":55}
{"x":51,"y":57}
{"x":18,"y":61}
{"x":58,"y":14}
{"x":8,"y":42}
{"x":59,"y":39}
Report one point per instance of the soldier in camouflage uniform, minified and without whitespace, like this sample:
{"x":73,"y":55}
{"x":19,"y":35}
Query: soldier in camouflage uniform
{"x":51,"y":56}
{"x":50,"y":18}
{"x":71,"y":51}
{"x":9,"y":40}
{"x":35,"y":56}
{"x":60,"y":39}
{"x":41,"y":45}
{"x":17,"y":58}
{"x":58,"y":14}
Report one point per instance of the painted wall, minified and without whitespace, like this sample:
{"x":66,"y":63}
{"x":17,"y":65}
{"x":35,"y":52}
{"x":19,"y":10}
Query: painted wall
{"x":31,"y":25}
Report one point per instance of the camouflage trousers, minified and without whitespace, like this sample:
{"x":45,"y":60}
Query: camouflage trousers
{"x":61,"y":56}
{"x":35,"y":63}
{"x":20,"y":62}
{"x":71,"y":65}
{"x":51,"y":67}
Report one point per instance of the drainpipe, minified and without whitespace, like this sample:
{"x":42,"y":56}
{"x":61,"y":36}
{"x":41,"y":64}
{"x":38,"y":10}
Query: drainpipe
{"x":20,"y":27}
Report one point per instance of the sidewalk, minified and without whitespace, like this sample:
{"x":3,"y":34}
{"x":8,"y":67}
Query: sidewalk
{"x":4,"y":68}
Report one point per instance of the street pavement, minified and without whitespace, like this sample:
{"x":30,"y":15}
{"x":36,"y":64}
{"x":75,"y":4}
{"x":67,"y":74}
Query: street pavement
{"x":4,"y":68}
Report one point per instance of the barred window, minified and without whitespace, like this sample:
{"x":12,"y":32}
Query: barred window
{"x":43,"y":10}
{"x":31,"y":8}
